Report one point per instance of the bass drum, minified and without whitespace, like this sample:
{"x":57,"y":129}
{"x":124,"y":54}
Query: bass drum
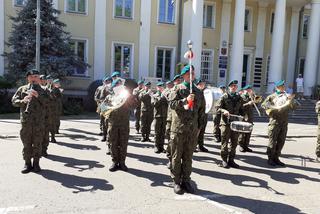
{"x":211,"y":96}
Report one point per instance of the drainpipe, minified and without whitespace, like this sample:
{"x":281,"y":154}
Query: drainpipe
{"x":180,"y":20}
{"x":298,"y":43}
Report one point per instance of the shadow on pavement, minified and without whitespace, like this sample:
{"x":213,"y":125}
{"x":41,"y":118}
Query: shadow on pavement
{"x":140,"y":144}
{"x":77,"y":183}
{"x":77,"y":137}
{"x":149,"y":159}
{"x":81,"y":131}
{"x":252,"y":205}
{"x":239,"y":180}
{"x":157,"y":179}
{"x":78,"y":146}
{"x":81,"y":165}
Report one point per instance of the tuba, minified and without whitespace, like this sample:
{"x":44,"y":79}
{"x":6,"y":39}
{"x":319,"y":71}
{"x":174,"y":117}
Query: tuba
{"x":115,"y":100}
{"x":280,"y":103}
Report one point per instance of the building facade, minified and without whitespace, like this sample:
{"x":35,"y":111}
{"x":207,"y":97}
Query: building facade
{"x":255,"y":42}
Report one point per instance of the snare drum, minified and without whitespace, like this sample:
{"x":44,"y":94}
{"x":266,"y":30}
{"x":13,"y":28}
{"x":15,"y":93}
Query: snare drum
{"x":240,"y":126}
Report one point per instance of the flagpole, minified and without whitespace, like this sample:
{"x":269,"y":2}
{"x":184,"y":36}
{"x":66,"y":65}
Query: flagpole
{"x":38,"y":37}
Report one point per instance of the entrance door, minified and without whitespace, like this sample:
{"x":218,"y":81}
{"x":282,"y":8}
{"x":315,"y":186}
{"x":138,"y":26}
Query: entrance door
{"x":245,"y":70}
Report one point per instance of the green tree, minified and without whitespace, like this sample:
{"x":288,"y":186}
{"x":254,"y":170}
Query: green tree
{"x":57,"y":55}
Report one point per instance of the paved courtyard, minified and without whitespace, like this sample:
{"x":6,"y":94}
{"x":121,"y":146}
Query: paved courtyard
{"x":75,"y":176}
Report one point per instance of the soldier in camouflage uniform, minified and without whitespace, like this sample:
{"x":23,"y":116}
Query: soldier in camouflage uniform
{"x":176,"y":81}
{"x":217,"y":118}
{"x":278,"y":122}
{"x":201,"y":85}
{"x":57,"y":94}
{"x":146,"y":112}
{"x":137,"y":112}
{"x":229,"y":103}
{"x":51,"y":108}
{"x":187,"y":121}
{"x":99,"y":96}
{"x":248,"y":108}
{"x":118,"y":130}
{"x":31,"y":99}
{"x":318,"y":138}
{"x":160,"y":114}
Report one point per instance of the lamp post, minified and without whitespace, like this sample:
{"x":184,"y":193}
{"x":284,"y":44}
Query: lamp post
{"x":38,"y":37}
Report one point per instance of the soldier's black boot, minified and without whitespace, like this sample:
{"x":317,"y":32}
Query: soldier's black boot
{"x":271,"y":162}
{"x":278,"y":162}
{"x":224,"y":164}
{"x":144,"y":139}
{"x":108,"y":150}
{"x":248,"y":149}
{"x":147,"y":138}
{"x":53,"y":139}
{"x":44,"y":153}
{"x":242,"y":149}
{"x":36,"y":166}
{"x":104,"y":138}
{"x":188,"y":187}
{"x":203,"y":149}
{"x":233,"y":164}
{"x":178,"y":189}
{"x":123,"y":167}
{"x":27,"y":167}
{"x":113,"y":167}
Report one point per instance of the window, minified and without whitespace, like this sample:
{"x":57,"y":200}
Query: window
{"x":206,"y":65}
{"x":209,"y":16}
{"x":271,"y":23}
{"x":80,"y":50}
{"x":164,"y":59}
{"x":20,"y":3}
{"x":248,"y":20}
{"x":306,"y":20}
{"x":166,"y":11}
{"x":76,"y":6}
{"x":301,"y":65}
{"x":267,"y":70}
{"x":123,"y":59}
{"x":123,"y":9}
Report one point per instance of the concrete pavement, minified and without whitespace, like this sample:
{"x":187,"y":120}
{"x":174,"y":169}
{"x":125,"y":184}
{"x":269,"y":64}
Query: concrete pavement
{"x":75,"y":176}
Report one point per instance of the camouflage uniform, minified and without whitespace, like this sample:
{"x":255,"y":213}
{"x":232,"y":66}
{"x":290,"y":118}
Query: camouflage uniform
{"x":57,"y":109}
{"x":48,"y":121}
{"x":166,"y":93}
{"x":137,"y":113}
{"x":184,"y":129}
{"x":216,"y":124}
{"x":118,"y":130}
{"x":244,"y":138}
{"x":100,"y":94}
{"x":278,"y":125}
{"x":32,"y":124}
{"x":160,"y":114}
{"x":146,"y":113}
{"x":232,"y":104}
{"x":318,"y":139}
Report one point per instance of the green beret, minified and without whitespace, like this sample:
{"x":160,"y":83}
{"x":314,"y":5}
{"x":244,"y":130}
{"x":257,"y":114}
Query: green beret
{"x":161,"y":84}
{"x":140,"y":82}
{"x":222,"y":86}
{"x":115,"y":82}
{"x":32,"y":72}
{"x":49,"y":77}
{"x":147,"y":83}
{"x":107,"y":78}
{"x":198,"y":81}
{"x":279,"y":83}
{"x":116,"y":73}
{"x":56,"y":81}
{"x":186,"y":69}
{"x":246,"y":87}
{"x":43,"y":77}
{"x":233,"y":82}
{"x":169,"y":82}
{"x":178,"y":76}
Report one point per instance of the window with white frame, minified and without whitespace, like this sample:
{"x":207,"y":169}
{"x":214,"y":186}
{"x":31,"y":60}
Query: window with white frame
{"x":301,"y":65}
{"x":306,"y":20}
{"x":271,"y":23}
{"x":248,"y":20}
{"x":80,"y":50}
{"x":166,"y":11}
{"x":122,"y":60}
{"x":209,"y":11}
{"x":206,"y":65}
{"x":76,"y":6}
{"x":164,"y":59}
{"x":123,"y":9}
{"x":19,"y":3}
